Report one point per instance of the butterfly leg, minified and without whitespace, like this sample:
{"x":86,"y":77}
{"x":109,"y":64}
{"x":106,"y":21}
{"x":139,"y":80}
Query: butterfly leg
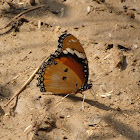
{"x":59,"y":102}
{"x":83,"y":101}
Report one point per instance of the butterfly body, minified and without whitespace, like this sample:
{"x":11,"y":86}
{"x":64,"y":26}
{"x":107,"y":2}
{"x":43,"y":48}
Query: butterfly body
{"x":66,"y":71}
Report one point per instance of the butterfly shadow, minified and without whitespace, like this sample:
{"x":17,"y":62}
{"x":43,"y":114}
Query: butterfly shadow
{"x":90,"y":102}
{"x":119,"y":127}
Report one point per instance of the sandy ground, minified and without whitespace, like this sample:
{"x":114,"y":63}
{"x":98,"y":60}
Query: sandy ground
{"x":110,"y":34}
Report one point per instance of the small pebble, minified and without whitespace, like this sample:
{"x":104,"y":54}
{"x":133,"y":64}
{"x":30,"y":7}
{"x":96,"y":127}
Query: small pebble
{"x":96,"y":57}
{"x":76,"y":28}
{"x":135,"y":46}
{"x":38,"y":97}
{"x":88,"y":9}
{"x":68,"y":116}
{"x":109,"y":46}
{"x":109,"y":34}
{"x":95,"y":120}
{"x":62,"y":117}
{"x":39,"y":24}
{"x":104,"y":95}
{"x":65,"y":138}
{"x":57,"y":28}
{"x":132,"y":15}
{"x":62,"y":12}
{"x":122,"y":1}
{"x":89,"y":132}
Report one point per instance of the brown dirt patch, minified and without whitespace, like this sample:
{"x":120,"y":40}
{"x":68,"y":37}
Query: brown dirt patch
{"x":114,"y":110}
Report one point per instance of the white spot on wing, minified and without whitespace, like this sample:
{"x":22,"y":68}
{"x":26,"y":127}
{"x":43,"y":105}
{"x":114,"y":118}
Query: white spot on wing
{"x":65,"y":52}
{"x":70,"y":51}
{"x":85,"y":62}
{"x":72,"y":40}
{"x":77,"y":53}
{"x":82,"y":55}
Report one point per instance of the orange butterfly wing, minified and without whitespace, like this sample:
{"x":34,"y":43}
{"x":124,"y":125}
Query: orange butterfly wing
{"x":66,"y":71}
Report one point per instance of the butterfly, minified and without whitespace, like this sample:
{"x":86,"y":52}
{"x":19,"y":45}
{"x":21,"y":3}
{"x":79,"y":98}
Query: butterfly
{"x":66,"y":71}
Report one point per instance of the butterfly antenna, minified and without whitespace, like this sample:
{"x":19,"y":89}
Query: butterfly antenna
{"x":93,"y":92}
{"x":102,"y":76}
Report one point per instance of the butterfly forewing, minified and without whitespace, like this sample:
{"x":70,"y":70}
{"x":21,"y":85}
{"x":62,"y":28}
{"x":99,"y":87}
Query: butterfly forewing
{"x":73,"y":43}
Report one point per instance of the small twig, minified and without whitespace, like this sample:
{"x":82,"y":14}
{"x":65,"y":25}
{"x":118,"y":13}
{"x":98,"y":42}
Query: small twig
{"x":25,"y":84}
{"x":19,"y":15}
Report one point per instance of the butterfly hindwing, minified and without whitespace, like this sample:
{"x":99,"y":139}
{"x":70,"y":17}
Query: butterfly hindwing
{"x":60,"y":79}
